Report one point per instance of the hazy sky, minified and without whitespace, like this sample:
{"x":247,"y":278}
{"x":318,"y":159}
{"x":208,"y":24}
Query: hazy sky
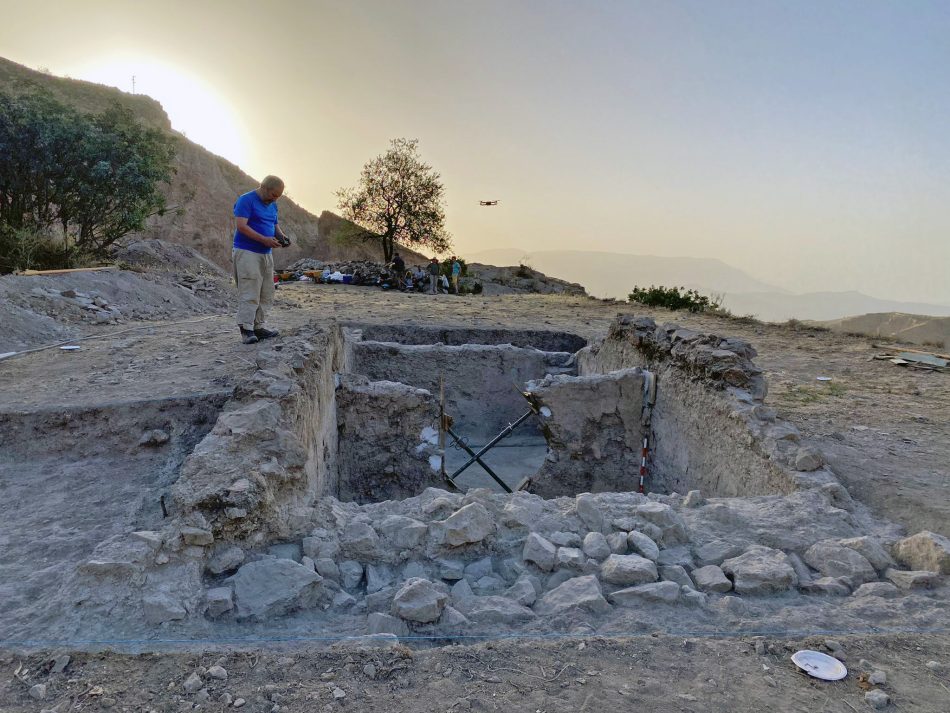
{"x":805,"y":142}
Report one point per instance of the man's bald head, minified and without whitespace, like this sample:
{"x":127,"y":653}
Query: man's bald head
{"x":271,"y":189}
{"x":271,"y":183}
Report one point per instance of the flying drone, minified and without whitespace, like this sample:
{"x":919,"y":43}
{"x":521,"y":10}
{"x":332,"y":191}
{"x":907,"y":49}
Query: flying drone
{"x":487,"y":202}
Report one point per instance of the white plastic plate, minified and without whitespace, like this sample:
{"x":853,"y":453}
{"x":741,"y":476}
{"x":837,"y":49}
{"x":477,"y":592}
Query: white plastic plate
{"x":819,"y":665}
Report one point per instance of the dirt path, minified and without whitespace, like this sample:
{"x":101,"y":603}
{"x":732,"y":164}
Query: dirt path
{"x":650,"y":673}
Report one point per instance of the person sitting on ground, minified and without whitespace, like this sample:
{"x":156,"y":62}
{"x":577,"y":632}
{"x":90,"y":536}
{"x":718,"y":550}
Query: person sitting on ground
{"x":434,"y":269}
{"x":257,"y":233}
{"x":407,"y":282}
{"x":418,"y":278}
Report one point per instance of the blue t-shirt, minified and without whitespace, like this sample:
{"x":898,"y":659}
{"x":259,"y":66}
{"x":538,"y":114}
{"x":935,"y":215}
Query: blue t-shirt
{"x":260,"y":217}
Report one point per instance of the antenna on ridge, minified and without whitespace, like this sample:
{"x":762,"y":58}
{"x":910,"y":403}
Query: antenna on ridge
{"x":133,"y":84}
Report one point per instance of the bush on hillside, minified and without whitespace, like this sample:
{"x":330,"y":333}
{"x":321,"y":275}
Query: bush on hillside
{"x":673,"y":298}
{"x":72,"y":184}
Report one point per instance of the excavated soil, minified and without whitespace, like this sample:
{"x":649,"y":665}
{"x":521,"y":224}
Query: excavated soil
{"x":884,"y":431}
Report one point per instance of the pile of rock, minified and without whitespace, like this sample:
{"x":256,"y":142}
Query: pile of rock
{"x":363,"y":272}
{"x":88,"y":307}
{"x":443,"y":563}
{"x":721,"y":361}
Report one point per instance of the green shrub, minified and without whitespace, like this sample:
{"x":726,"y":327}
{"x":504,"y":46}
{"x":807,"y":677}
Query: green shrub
{"x":674,"y":298}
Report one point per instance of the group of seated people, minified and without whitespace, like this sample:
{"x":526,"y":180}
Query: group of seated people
{"x":395,"y":276}
{"x":410,"y":280}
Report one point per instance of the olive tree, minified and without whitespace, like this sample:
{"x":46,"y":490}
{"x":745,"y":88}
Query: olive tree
{"x":399,"y":200}
{"x":81,"y":180}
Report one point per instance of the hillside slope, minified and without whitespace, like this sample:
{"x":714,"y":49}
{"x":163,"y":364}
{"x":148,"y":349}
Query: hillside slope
{"x":911,"y":328}
{"x":209,"y":182}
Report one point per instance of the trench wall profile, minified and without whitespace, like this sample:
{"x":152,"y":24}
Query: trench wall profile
{"x":710,"y":428}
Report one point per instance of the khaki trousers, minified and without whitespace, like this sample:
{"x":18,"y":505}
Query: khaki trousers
{"x":254,"y":275}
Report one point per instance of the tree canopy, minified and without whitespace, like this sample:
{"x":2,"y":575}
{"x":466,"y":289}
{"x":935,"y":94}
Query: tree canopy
{"x":78,"y":181}
{"x":399,"y":200}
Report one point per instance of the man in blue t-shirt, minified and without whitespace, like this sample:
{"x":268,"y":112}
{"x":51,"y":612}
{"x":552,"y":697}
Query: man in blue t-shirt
{"x":257,"y":233}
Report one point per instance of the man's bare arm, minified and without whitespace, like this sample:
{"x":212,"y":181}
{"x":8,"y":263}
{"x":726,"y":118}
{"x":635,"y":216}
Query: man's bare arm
{"x":247,"y":230}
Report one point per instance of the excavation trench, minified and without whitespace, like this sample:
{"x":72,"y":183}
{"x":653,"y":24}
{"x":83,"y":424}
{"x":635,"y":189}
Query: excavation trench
{"x":591,"y":412}
{"x":317,"y":485}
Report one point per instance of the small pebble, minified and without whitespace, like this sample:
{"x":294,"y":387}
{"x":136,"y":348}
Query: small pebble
{"x":238,"y":702}
{"x":203,"y":696}
{"x":934,"y":666}
{"x":370,"y":670}
{"x":760,"y":647}
{"x":833,"y":645}
{"x":877,"y":699}
{"x":225,"y":698}
{"x":878,"y":678}
{"x":339,"y":693}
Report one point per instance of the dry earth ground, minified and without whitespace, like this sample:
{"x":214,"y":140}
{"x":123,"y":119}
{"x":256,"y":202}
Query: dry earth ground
{"x":884,"y":429}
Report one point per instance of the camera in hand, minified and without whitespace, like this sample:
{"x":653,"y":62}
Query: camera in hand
{"x":283,"y":240}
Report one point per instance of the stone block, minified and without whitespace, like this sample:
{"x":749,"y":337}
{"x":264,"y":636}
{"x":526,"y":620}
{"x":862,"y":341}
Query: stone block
{"x":380,"y":623}
{"x":472,"y":523}
{"x":419,"y":600}
{"x":628,"y":570}
{"x":653,"y":593}
{"x":760,"y":570}
{"x":711,"y":579}
{"x":582,"y":593}
{"x":919,"y":579}
{"x":596,"y":546}
{"x":833,"y":559}
{"x":643,"y":545}
{"x":218,"y":601}
{"x":273,"y":587}
{"x":161,"y":607}
{"x":924,"y":551}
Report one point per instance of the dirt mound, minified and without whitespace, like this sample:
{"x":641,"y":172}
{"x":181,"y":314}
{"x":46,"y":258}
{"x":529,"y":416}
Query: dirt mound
{"x":40,"y":309}
{"x":521,"y":278}
{"x":159,"y":255}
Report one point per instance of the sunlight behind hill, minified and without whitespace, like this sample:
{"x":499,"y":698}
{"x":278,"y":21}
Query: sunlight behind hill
{"x":194,"y":107}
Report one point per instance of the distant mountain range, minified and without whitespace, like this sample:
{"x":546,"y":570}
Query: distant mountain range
{"x":607,"y":274}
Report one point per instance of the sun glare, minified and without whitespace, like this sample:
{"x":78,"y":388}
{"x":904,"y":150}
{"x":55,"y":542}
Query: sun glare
{"x":194,"y":108}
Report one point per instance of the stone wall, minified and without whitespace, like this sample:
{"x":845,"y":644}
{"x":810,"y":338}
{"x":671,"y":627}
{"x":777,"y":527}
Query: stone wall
{"x":546,"y":341}
{"x":273,"y":448}
{"x":482,"y":382}
{"x":594,"y":426}
{"x":710,"y":427}
{"x":388,"y":440}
